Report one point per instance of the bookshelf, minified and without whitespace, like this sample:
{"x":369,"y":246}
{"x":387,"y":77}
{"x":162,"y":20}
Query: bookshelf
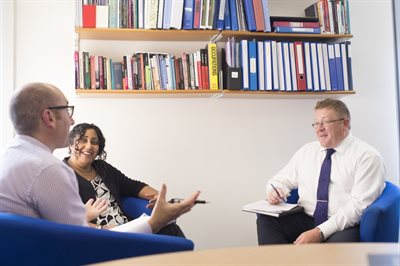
{"x":217,"y":36}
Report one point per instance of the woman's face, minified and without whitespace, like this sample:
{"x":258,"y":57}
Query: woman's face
{"x":86,"y":149}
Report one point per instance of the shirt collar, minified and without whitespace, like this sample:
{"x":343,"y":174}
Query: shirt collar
{"x":343,"y":145}
{"x":32,"y":141}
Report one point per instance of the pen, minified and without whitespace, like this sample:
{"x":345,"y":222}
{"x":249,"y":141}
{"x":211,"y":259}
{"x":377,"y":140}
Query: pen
{"x":177,"y":200}
{"x":277,"y":192}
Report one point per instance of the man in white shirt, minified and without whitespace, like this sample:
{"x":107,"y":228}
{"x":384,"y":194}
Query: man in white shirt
{"x":35,"y":183}
{"x":356,"y":177}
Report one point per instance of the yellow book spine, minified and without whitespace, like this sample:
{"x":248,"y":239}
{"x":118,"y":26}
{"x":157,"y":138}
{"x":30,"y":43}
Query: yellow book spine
{"x":213,"y":66}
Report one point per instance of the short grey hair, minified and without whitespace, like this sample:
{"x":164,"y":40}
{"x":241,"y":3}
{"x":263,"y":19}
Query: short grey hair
{"x":338,"y":106}
{"x":28,"y":103}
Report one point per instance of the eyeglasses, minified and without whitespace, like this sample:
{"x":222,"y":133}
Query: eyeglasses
{"x":325,"y":123}
{"x":70,"y":108}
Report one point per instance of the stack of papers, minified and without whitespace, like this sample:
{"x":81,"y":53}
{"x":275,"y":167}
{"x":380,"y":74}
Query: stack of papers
{"x":277,"y":210}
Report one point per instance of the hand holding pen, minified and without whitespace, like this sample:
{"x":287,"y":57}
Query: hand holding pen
{"x":177,"y":200}
{"x":276,"y":196}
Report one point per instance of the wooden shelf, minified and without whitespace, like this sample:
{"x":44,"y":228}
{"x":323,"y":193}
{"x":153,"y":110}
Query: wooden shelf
{"x":218,"y":93}
{"x":145,"y":35}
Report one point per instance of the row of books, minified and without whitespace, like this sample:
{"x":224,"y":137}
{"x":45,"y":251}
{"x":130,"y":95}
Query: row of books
{"x":334,"y":15}
{"x":251,"y":15}
{"x":287,"y":66}
{"x":148,"y":71}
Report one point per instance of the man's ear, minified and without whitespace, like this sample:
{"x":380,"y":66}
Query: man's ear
{"x":347,"y":123}
{"x":48,"y":118}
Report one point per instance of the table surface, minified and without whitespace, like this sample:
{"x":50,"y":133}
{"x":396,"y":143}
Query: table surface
{"x":316,"y":254}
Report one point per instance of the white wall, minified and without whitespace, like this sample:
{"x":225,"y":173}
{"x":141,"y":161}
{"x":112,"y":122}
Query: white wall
{"x":226,"y":147}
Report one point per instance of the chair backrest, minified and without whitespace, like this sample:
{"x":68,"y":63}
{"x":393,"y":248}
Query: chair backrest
{"x":31,"y":241}
{"x":381,"y":220}
{"x":294,"y":196}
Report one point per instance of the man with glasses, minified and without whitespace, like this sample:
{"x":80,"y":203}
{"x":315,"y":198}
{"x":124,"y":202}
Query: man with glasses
{"x":35,"y":183}
{"x":337,"y":178}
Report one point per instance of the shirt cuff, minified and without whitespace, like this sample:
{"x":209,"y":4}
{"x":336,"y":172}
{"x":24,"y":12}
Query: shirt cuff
{"x":139,"y":225}
{"x":327,"y":228}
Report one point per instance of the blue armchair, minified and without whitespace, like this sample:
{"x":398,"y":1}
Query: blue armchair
{"x":30,"y":241}
{"x":381,"y":220}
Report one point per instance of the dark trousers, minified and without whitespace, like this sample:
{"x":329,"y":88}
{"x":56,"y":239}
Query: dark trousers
{"x":286,"y":229}
{"x":171,"y":229}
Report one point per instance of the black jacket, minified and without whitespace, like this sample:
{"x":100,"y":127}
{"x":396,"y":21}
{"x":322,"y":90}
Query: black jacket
{"x":119,"y":184}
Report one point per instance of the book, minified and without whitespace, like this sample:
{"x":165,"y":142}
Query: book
{"x":294,"y":19}
{"x":293,"y":66}
{"x":295,"y":24}
{"x":213,"y":66}
{"x":233,"y":15}
{"x":286,"y":67}
{"x":244,"y":61}
{"x":167,"y":14}
{"x":101,"y":16}
{"x":297,"y":30}
{"x":300,"y":69}
{"x":89,"y":16}
{"x":259,"y":15}
{"x":227,"y":16}
{"x":276,"y":210}
{"x":349,"y":70}
{"x":308,"y":66}
{"x":260,"y":65}
{"x":177,"y":14}
{"x":188,"y":15}
{"x":253,"y":75}
{"x":197,"y":12}
{"x":339,"y":66}
{"x":266,"y":15}
{"x":268,"y":65}
{"x":220,"y":19}
{"x":249,"y":14}
{"x":117,"y":75}
{"x":344,"y":66}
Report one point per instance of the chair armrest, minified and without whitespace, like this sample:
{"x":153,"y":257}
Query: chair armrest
{"x":134,"y":207}
{"x":380,"y":221}
{"x":30,"y":241}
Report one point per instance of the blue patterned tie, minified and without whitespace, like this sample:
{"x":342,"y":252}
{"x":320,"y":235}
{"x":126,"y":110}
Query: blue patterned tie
{"x":321,"y":210}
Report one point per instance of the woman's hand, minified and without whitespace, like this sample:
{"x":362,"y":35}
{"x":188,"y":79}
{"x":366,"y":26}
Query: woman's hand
{"x":165,"y":212}
{"x":95,"y":208}
{"x":150,"y":194}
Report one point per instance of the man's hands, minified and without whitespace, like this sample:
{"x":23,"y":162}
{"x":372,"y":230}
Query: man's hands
{"x":165,"y":212}
{"x":274,"y":198}
{"x":310,"y":236}
{"x":95,"y":208}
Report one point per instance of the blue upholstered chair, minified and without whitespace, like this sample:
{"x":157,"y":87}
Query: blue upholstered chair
{"x":381,"y":220}
{"x":30,"y":241}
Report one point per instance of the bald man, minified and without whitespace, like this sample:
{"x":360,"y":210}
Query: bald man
{"x":35,"y":183}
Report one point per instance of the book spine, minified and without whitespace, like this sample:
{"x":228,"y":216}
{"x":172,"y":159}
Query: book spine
{"x":213,"y":66}
{"x":297,"y":30}
{"x":294,"y":24}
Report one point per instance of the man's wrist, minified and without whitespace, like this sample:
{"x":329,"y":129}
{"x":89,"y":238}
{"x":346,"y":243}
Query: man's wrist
{"x":321,"y":235}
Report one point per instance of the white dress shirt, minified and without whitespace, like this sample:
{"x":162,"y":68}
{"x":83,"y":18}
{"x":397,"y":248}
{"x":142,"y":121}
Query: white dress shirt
{"x":357,"y":179}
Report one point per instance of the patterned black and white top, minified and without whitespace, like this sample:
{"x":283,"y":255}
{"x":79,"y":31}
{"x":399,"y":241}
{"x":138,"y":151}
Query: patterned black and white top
{"x":113,"y":215}
{"x":112,"y":185}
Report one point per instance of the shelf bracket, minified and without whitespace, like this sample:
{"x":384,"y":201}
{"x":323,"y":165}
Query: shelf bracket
{"x":215,"y":38}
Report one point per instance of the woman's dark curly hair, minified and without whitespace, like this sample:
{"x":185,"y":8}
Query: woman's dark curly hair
{"x":78,"y":132}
